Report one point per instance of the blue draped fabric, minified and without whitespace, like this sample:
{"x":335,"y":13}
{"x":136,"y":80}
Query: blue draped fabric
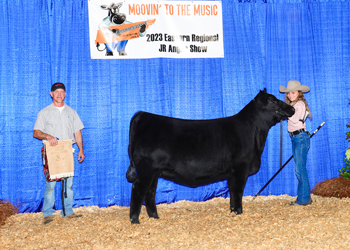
{"x":266,"y":44}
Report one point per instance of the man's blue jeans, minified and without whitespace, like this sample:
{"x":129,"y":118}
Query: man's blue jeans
{"x":49,"y":198}
{"x":300,"y":146}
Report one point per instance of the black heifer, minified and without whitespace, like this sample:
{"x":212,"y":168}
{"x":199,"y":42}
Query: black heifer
{"x":199,"y":152}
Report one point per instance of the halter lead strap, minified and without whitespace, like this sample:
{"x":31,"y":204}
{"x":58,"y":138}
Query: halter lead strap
{"x":281,"y":143}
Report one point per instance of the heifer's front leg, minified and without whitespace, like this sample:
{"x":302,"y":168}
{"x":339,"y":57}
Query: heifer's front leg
{"x":150,"y":200}
{"x":236,"y":186}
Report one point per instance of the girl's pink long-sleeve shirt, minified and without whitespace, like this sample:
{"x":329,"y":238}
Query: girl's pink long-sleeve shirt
{"x":294,"y":122}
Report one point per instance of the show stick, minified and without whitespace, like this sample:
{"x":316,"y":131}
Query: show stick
{"x":285,"y":164}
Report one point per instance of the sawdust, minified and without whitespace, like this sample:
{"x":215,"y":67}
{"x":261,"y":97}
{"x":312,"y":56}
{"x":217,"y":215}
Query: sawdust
{"x":268,"y":222}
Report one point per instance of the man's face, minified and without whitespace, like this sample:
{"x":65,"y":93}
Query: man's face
{"x":58,"y":96}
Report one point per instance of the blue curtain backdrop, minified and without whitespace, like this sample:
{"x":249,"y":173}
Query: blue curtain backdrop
{"x":266,"y":44}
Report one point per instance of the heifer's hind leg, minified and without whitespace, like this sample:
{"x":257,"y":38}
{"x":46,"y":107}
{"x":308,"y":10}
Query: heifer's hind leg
{"x":135,"y":202}
{"x":150,"y":200}
{"x":236,"y":186}
{"x":138,"y":193}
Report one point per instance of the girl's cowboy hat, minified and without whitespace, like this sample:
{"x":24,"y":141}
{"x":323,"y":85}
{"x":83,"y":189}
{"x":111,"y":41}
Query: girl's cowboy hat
{"x":294,"y":86}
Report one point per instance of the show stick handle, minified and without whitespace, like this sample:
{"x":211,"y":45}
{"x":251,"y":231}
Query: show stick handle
{"x":317,"y":129}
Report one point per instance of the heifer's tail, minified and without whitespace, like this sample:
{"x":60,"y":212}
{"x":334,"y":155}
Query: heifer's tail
{"x":131,"y":173}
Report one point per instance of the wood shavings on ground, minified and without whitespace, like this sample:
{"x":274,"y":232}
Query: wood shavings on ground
{"x":267,"y":222}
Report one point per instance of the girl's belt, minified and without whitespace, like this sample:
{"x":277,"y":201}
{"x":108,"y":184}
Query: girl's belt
{"x":296,"y":132}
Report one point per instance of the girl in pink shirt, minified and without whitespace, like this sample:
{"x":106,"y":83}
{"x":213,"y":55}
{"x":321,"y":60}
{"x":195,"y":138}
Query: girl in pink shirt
{"x":299,"y":136}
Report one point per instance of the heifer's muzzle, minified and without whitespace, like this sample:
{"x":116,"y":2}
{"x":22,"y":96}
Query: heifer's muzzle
{"x":285,"y":113}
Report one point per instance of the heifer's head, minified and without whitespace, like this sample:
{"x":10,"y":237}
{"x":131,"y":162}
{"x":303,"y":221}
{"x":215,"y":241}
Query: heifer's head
{"x":273,"y":109}
{"x":113,"y":13}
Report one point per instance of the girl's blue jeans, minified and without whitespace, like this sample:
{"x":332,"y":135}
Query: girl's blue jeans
{"x":49,"y":198}
{"x":300,"y":146}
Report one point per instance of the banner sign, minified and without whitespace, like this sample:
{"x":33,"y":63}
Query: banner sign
{"x":152,"y":29}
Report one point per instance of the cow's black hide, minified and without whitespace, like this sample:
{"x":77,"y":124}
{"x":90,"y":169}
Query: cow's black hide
{"x":199,"y":152}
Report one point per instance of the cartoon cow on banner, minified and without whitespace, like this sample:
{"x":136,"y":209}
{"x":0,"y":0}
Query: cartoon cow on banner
{"x":115,"y":31}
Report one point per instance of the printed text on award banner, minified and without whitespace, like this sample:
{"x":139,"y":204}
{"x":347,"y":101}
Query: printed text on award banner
{"x":160,"y":37}
{"x":174,"y":9}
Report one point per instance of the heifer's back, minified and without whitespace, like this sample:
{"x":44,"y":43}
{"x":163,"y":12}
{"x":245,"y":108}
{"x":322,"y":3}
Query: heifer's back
{"x":184,"y":151}
{"x":198,"y":152}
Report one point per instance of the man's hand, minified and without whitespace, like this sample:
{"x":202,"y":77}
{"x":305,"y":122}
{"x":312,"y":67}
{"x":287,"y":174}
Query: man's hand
{"x":81,"y":157}
{"x":79,"y":141}
{"x":52,"y":140}
{"x":42,"y":136}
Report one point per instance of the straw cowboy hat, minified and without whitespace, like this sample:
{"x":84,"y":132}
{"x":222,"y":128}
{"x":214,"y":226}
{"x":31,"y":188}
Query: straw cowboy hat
{"x":294,"y":86}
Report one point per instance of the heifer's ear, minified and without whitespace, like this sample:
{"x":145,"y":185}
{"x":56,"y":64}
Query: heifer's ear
{"x":265,"y":90}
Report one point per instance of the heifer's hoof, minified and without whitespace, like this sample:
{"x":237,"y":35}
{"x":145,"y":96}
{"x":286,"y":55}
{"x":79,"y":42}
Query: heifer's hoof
{"x":237,"y":212}
{"x":135,"y":221}
{"x":153,"y":215}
